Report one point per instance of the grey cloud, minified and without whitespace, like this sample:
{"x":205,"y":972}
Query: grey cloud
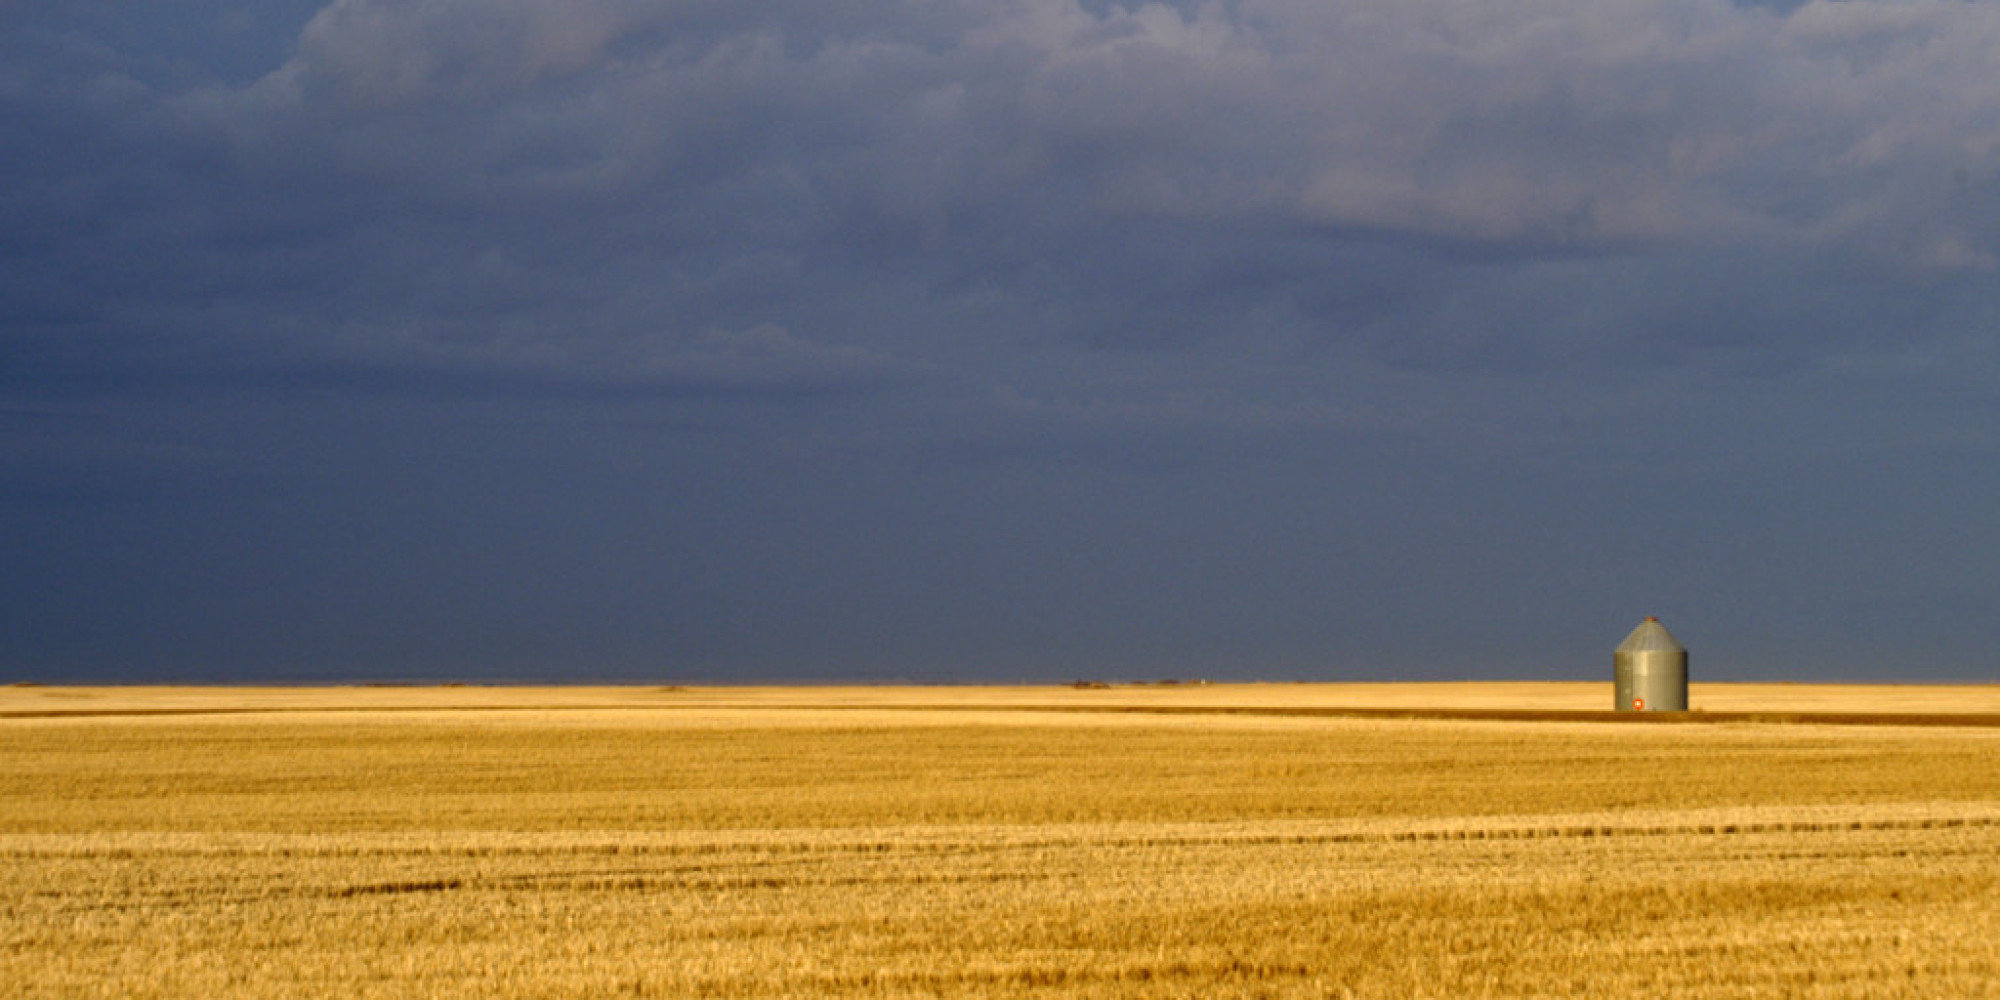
{"x":1551,"y":123}
{"x":370,"y":55}
{"x":533,"y":183}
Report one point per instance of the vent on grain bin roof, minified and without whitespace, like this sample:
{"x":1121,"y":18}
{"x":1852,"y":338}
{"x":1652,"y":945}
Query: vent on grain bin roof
{"x":1650,"y":670}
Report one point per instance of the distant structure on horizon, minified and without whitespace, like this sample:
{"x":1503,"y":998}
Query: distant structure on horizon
{"x":1650,"y":670}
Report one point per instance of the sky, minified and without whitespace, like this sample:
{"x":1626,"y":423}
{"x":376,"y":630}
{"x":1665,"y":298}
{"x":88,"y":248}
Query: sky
{"x":1007,"y":341}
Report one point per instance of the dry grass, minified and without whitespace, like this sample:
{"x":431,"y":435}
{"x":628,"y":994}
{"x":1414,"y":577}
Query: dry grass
{"x":390,"y":842}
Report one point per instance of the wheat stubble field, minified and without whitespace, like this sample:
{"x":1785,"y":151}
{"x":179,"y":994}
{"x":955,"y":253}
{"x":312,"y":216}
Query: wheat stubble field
{"x":1231,"y":841}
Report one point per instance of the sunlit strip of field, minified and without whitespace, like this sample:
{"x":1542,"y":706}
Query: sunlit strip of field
{"x":1527,"y":696}
{"x":890,"y":851}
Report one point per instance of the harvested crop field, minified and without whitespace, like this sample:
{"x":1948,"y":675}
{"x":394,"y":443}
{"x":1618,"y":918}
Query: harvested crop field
{"x":1160,"y":840}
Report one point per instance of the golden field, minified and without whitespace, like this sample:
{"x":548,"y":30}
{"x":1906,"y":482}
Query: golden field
{"x":1142,"y":841}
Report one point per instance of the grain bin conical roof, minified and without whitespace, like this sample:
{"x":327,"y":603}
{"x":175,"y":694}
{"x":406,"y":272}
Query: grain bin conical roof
{"x":1651,"y":637}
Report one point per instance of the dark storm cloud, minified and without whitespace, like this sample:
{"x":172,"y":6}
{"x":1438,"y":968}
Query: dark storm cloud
{"x":423,"y":182}
{"x":1188,"y":331}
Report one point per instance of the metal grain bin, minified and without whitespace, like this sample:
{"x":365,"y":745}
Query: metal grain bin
{"x":1650,"y":669}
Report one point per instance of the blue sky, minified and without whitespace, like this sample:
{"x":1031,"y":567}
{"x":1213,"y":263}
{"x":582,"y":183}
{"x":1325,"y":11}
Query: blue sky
{"x":1010,"y":341}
